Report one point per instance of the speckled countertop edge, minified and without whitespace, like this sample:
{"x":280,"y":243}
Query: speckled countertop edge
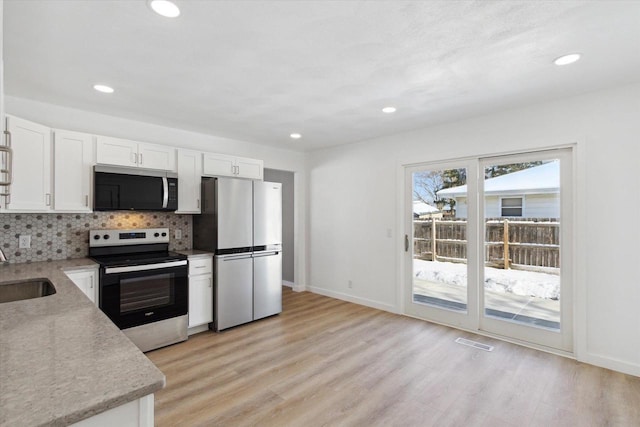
{"x":61,"y":359}
{"x":195,"y":253}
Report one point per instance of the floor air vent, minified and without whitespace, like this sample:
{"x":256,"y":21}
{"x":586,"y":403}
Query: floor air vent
{"x":478,"y":345}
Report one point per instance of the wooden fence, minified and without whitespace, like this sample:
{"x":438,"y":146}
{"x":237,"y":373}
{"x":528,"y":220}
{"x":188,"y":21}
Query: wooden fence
{"x":523,"y":244}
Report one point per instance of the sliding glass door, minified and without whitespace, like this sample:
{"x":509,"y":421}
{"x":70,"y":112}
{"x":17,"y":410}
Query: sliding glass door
{"x":489,"y":245}
{"x":440,"y":241}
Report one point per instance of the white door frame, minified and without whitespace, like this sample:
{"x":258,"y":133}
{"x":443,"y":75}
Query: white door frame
{"x":472,"y":320}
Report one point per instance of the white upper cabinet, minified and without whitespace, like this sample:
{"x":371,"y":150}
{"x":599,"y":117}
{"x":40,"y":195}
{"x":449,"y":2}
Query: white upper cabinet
{"x":123,"y":152}
{"x":72,"y":161}
{"x":151,"y":156}
{"x":249,"y":168}
{"x":31,"y":189}
{"x":225,"y":165}
{"x":189,"y":177}
{"x":116,"y":151}
{"x":218,"y":164}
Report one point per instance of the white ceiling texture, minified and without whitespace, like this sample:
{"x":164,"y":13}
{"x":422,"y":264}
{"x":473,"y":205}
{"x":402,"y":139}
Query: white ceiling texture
{"x":260,"y":70}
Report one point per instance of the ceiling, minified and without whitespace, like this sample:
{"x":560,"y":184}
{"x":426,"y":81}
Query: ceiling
{"x":260,"y":70}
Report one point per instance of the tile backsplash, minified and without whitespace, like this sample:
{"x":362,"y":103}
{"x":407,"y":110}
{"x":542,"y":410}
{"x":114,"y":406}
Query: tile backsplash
{"x":64,"y":236}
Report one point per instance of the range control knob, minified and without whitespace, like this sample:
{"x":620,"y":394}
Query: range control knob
{"x":96,"y":237}
{"x":105,"y":237}
{"x":156,"y":234}
{"x":164,"y":234}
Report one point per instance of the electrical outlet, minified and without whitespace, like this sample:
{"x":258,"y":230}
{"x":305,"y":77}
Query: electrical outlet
{"x":24,"y":241}
{"x":177,"y":234}
{"x":350,"y":284}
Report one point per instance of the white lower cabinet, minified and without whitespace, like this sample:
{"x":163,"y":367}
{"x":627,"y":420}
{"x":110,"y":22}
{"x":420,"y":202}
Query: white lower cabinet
{"x":200,"y":290}
{"x":137,"y":413}
{"x":87,"y":281}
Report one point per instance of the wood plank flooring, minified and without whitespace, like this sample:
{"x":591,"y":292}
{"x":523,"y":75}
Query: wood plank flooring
{"x":326,"y":362}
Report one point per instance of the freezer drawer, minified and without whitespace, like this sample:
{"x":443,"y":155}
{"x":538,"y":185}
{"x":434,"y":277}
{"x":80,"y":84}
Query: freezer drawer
{"x":233,"y":291}
{"x":267,"y":284}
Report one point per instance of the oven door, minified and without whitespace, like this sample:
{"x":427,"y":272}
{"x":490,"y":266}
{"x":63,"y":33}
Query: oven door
{"x":140,"y":294}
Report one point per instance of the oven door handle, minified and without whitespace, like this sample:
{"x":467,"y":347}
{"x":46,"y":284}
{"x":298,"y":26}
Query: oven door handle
{"x":128,"y":269}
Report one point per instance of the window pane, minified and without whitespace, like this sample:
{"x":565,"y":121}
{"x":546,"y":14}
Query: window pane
{"x":440,"y":238}
{"x":511,"y":211}
{"x":512,"y":202}
{"x":522,"y":259}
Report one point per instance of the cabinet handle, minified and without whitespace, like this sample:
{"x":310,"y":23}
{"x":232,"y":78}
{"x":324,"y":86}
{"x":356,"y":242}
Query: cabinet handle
{"x":86,"y":200}
{"x":48,"y":199}
{"x":91,"y":285}
{"x":140,"y":159}
{"x":199,"y":266}
{"x":198,"y":200}
{"x":209,"y":281}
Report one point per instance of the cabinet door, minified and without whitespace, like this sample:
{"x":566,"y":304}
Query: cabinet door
{"x":189,"y":177}
{"x":200,"y":300}
{"x":115,"y":151}
{"x":31,"y":165}
{"x":72,"y":160}
{"x":218,"y":164}
{"x":86,"y":280}
{"x":249,"y":168}
{"x":151,"y":156}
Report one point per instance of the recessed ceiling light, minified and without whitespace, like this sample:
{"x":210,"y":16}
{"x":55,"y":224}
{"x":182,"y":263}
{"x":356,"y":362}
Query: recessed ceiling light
{"x":165,"y":8}
{"x":389,"y":110}
{"x":103,"y":88}
{"x":567,"y":59}
{"x":295,"y":136}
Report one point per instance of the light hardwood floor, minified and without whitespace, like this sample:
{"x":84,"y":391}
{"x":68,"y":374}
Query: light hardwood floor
{"x":326,"y":362}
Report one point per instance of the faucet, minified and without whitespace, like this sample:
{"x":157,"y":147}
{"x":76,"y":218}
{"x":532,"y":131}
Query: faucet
{"x":3,"y":257}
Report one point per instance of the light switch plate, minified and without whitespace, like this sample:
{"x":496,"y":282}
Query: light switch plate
{"x":177,"y":234}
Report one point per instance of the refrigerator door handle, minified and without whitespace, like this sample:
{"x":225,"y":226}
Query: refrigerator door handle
{"x":262,"y":254}
{"x":232,"y":257}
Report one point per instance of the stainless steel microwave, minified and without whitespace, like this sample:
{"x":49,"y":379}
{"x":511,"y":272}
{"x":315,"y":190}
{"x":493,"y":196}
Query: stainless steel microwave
{"x":117,"y":189}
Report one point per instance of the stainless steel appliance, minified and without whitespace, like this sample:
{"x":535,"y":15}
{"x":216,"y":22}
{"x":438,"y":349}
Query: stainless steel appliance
{"x":134,"y":189}
{"x":241,"y":222}
{"x":144,"y":287}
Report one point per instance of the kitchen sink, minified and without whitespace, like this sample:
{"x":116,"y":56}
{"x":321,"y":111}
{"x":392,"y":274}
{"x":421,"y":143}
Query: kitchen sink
{"x":25,"y":289}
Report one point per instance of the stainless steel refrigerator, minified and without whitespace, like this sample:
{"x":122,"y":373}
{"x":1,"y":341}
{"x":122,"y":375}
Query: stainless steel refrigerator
{"x":241,"y":223}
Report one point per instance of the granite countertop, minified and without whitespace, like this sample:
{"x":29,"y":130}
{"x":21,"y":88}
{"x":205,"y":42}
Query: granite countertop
{"x":61,"y":359}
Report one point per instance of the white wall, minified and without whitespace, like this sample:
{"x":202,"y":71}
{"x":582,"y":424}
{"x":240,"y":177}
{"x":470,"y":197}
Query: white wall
{"x":100,"y":124}
{"x":355,"y":197}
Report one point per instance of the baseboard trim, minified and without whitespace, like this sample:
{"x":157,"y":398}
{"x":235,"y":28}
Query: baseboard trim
{"x":611,"y":363}
{"x":356,"y":300}
{"x":288,"y":284}
{"x":197,"y":329}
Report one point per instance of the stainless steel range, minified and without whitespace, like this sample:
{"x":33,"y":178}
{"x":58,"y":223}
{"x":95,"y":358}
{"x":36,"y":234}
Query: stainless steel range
{"x":144,"y":287}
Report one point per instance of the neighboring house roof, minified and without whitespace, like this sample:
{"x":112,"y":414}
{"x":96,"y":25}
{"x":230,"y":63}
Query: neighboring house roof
{"x":421,"y":208}
{"x":539,"y":179}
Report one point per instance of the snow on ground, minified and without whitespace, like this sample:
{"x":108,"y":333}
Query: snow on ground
{"x":518,"y":282}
